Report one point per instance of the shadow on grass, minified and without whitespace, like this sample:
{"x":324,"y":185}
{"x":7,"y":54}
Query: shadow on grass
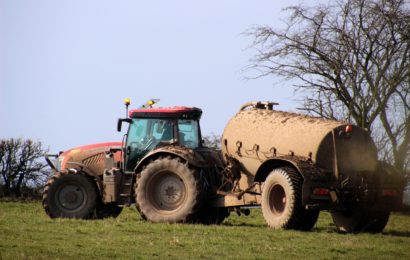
{"x":242,"y":224}
{"x":19,"y":200}
{"x":332,"y":230}
{"x":394,"y":233}
{"x":252,"y":225}
{"x":397,"y":233}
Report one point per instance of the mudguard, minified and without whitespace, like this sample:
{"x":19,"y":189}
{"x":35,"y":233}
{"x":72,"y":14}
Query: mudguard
{"x":201,"y":157}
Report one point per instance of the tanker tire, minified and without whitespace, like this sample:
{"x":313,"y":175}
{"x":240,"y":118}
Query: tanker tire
{"x":377,"y":221}
{"x":109,"y":210}
{"x":281,"y":201}
{"x":70,"y":196}
{"x":360,"y":220}
{"x":168,"y":191}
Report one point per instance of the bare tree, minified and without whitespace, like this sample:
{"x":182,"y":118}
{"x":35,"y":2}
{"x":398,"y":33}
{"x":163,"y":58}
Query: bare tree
{"x":352,"y":58}
{"x":213,"y":140}
{"x":20,"y":165}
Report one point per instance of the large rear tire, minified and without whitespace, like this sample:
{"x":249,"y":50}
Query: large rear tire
{"x":168,"y":191}
{"x":70,"y":196}
{"x":360,"y":220}
{"x":282,"y":202}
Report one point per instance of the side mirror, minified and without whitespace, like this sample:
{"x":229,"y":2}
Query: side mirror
{"x":119,"y":123}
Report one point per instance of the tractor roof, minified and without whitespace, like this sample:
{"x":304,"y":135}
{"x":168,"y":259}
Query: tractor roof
{"x":167,"y":112}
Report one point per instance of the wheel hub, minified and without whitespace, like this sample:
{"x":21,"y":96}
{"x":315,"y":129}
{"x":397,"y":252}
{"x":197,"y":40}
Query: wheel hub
{"x":277,"y":199}
{"x":71,"y":197}
{"x":170,"y":192}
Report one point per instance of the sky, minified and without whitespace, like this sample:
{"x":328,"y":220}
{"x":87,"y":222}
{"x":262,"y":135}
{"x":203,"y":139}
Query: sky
{"x":66,"y":66}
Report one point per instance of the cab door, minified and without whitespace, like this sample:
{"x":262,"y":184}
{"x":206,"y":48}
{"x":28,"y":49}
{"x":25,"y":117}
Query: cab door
{"x":143,"y":136}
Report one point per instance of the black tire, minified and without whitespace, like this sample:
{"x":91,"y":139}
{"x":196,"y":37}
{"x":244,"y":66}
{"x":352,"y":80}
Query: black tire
{"x":136,"y":204}
{"x":377,"y":221}
{"x":282,"y":201}
{"x":360,"y":220}
{"x":212,"y":216}
{"x":139,"y":210}
{"x":168,"y":191}
{"x":70,"y":196}
{"x":109,"y":210}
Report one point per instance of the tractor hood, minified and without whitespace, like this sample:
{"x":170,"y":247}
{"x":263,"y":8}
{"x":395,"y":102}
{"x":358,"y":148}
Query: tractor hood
{"x":89,"y":157}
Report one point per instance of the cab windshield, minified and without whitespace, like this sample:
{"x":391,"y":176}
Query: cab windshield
{"x":144,"y":135}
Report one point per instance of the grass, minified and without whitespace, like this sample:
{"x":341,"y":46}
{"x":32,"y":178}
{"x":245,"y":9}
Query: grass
{"x":27,"y":233}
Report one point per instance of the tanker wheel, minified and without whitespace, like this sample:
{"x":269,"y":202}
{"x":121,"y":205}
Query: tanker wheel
{"x":377,"y":221}
{"x":70,"y":196}
{"x":212,"y":216}
{"x":281,"y":201}
{"x":109,"y":210}
{"x":168,"y":191}
{"x":360,"y":220}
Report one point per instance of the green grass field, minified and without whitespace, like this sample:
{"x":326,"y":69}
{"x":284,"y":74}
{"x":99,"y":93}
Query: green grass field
{"x":26,"y":233}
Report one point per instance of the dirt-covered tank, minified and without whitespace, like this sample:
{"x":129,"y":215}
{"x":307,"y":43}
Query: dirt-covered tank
{"x":263,"y":133}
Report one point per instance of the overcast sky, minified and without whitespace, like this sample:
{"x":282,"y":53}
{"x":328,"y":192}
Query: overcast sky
{"x":66,"y":66}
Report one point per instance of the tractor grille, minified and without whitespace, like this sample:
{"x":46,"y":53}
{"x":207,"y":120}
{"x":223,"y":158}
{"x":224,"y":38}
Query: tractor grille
{"x":95,"y":159}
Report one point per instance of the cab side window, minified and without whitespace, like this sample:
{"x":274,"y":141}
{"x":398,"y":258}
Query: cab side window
{"x":188,"y":133}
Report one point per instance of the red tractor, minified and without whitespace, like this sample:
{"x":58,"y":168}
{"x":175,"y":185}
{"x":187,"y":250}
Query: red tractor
{"x":162,"y":162}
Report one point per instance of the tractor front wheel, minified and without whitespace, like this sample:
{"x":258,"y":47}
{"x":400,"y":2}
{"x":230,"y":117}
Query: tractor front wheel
{"x":70,"y":196}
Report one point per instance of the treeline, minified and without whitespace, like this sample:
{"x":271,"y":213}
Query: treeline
{"x":22,"y":167}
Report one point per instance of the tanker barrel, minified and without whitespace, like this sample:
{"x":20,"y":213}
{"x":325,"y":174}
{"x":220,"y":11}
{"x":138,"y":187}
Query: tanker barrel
{"x":259,"y":130}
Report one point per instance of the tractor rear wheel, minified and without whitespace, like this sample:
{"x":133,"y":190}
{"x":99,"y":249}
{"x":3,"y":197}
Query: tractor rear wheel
{"x":70,"y":196}
{"x":360,"y":220}
{"x":168,"y":191}
{"x":282,"y":202}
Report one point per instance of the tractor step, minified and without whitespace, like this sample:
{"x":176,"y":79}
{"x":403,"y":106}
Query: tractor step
{"x":125,"y":198}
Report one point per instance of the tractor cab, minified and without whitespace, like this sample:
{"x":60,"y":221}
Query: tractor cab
{"x":150,"y":128}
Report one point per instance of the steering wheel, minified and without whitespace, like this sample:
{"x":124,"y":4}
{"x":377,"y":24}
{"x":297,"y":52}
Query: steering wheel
{"x":150,"y":142}
{"x":134,"y":147}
